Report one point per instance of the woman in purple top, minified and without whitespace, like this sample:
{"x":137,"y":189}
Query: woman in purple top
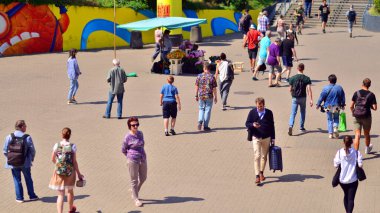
{"x":273,"y":62}
{"x":133,"y":149}
{"x":73,"y":73}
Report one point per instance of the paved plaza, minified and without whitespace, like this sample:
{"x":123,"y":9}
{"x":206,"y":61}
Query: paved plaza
{"x":192,"y":171}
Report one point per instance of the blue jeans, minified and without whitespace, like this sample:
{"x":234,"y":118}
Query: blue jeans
{"x":205,"y":107}
{"x":16,"y":173}
{"x":73,"y":89}
{"x":332,"y":121}
{"x":307,"y":9}
{"x":302,"y":103}
{"x":119,"y":104}
{"x":157,"y":49}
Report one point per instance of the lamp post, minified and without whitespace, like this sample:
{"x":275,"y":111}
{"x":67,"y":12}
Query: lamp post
{"x":114,"y":28}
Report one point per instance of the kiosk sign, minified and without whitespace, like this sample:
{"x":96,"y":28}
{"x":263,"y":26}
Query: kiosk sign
{"x":163,"y":10}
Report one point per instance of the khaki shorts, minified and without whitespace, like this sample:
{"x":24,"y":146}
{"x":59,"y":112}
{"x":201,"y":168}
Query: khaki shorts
{"x":363,"y":122}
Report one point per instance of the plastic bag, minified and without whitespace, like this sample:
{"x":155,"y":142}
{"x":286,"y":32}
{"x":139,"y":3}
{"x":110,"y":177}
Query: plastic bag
{"x":342,"y":122}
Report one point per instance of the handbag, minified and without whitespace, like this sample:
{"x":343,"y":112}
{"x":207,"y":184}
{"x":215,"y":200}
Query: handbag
{"x":335,"y":180}
{"x":328,"y":93}
{"x":359,"y":171}
{"x":81,"y":183}
{"x":342,"y":122}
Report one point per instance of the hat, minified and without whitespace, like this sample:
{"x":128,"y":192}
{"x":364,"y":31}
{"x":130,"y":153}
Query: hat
{"x":252,"y":26}
{"x":299,"y":3}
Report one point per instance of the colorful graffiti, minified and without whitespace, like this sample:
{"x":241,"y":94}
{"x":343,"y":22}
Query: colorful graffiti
{"x":27,"y":29}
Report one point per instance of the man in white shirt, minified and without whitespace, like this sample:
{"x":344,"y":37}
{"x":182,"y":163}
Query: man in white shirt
{"x":225,"y":79}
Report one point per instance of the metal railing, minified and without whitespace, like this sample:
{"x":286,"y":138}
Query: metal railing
{"x":369,"y":5}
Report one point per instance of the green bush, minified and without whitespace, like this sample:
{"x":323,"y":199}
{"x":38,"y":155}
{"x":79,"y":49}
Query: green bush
{"x":376,"y":4}
{"x":374,"y":12}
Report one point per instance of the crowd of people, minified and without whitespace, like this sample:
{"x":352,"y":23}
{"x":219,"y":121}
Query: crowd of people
{"x":277,"y":57}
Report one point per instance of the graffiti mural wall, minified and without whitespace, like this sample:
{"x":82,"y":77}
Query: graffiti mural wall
{"x":28,"y":29}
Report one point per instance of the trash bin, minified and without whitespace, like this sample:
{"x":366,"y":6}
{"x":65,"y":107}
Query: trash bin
{"x":136,"y":40}
{"x":195,"y":34}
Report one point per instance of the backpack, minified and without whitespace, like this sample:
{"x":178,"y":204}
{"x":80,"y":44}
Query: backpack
{"x":351,"y":16}
{"x":157,"y":67}
{"x":64,"y":160}
{"x":298,"y":87}
{"x":230,"y":72}
{"x":360,"y":109}
{"x":17,"y":151}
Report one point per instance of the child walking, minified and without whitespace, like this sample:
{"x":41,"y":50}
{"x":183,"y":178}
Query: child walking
{"x":169,"y":99}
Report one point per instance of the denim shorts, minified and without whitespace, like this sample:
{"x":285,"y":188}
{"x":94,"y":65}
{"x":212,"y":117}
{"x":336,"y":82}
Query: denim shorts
{"x":287,"y":61}
{"x":272,"y":69}
{"x":260,"y":61}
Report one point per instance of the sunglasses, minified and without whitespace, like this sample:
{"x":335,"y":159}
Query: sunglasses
{"x":135,"y":125}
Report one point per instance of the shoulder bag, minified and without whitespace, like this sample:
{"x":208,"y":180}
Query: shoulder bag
{"x":359,"y":170}
{"x":335,"y":180}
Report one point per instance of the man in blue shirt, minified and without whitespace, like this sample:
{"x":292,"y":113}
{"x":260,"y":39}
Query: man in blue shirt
{"x":334,"y":100}
{"x":263,"y":52}
{"x":20,"y":127}
{"x":169,"y":99}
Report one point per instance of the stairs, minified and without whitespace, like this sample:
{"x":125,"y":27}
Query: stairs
{"x":337,"y":17}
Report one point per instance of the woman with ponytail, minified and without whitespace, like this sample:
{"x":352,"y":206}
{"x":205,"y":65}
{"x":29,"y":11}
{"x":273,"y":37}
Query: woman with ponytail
{"x":346,"y":158}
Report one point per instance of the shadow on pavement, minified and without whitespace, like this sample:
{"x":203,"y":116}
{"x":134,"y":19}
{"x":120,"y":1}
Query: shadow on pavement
{"x":53,"y":199}
{"x":136,"y":211}
{"x":212,"y":130}
{"x":172,"y":199}
{"x":362,"y":36}
{"x":308,"y":59}
{"x":215,"y":44}
{"x":240,"y":108}
{"x":148,"y":116}
{"x":316,"y":81}
{"x":319,"y":130}
{"x":93,"y":102}
{"x":291,"y":178}
{"x":373,"y":155}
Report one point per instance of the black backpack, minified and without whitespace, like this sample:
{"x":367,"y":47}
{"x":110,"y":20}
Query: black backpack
{"x":360,"y":109}
{"x":351,"y":16}
{"x":230,"y":72}
{"x":17,"y":150}
{"x":298,"y":87}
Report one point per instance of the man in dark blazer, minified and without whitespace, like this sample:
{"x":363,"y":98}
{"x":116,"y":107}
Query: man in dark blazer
{"x":261,"y":131}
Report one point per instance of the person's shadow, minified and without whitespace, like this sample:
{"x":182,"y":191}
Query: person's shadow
{"x":290,"y":178}
{"x":171,"y":199}
{"x":53,"y":199}
{"x":373,"y":155}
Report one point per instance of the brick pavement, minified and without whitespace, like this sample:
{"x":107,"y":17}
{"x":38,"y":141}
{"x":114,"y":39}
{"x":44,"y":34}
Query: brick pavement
{"x":193,"y":171}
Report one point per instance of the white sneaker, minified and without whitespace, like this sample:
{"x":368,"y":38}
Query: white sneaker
{"x":368,"y":149}
{"x":331,"y":136}
{"x":138,"y":203}
{"x":336,"y":132}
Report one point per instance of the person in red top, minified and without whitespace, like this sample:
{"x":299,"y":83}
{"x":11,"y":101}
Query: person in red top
{"x":252,"y":41}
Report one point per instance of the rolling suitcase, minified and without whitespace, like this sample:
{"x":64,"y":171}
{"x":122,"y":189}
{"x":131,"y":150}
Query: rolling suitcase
{"x":275,"y":158}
